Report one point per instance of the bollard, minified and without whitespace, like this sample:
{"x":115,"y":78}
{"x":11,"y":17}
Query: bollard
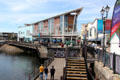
{"x":29,"y":77}
{"x":114,"y":63}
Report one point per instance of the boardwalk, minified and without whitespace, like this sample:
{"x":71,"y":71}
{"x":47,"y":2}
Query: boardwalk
{"x":59,"y":64}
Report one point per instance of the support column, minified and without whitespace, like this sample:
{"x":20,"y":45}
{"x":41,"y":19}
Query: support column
{"x":63,"y":29}
{"x":50,"y":29}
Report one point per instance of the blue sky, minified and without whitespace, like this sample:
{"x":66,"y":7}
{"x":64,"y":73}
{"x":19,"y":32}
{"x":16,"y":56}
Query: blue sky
{"x":14,"y":13}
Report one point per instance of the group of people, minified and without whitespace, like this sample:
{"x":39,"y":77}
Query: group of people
{"x":45,"y":70}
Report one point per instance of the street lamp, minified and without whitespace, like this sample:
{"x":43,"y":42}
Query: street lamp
{"x":103,"y":11}
{"x":107,"y":8}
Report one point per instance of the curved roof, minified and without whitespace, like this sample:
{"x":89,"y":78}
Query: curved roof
{"x":72,"y":11}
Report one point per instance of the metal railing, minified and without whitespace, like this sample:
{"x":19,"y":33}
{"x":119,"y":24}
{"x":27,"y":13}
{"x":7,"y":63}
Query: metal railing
{"x":35,"y":74}
{"x":110,"y":60}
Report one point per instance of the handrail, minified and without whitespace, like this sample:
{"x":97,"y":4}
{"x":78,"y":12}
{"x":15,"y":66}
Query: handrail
{"x":46,"y":63}
{"x":110,"y":60}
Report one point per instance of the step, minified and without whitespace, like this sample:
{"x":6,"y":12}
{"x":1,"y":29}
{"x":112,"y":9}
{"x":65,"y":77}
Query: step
{"x":76,"y":78}
{"x":76,"y":64}
{"x":77,"y":72}
{"x":75,"y":67}
{"x":70,"y":69}
{"x":75,"y":59}
{"x":77,"y":75}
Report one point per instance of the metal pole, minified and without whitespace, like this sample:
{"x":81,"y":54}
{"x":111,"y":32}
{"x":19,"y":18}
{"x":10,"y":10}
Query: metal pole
{"x":104,"y":40}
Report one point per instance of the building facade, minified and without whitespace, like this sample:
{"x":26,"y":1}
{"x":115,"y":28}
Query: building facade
{"x":95,"y":30}
{"x":25,"y":33}
{"x":8,"y":36}
{"x":83,"y":31}
{"x":60,"y":27}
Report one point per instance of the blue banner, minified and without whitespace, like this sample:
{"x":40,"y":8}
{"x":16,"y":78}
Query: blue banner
{"x":100,"y":26}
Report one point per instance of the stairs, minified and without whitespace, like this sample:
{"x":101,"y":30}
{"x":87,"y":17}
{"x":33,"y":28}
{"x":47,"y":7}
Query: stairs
{"x":76,"y":69}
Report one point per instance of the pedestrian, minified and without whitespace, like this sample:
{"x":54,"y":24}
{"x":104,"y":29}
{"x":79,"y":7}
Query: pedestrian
{"x":41,"y":68}
{"x":46,"y":72}
{"x":52,"y":71}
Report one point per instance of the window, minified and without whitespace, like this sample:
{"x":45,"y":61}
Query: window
{"x":91,"y":32}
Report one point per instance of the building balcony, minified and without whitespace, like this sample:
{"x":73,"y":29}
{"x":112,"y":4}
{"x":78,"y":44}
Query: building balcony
{"x":53,"y":34}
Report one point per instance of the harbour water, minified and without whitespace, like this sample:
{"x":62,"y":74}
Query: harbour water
{"x":17,"y":67}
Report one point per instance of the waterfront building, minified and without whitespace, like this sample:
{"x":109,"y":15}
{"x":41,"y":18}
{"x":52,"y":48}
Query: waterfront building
{"x":57,"y":28}
{"x":95,"y":30}
{"x":25,"y":33}
{"x":83,"y":31}
{"x":8,"y":36}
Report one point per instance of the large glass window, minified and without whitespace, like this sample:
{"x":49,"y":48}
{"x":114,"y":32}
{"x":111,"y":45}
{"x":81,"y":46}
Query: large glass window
{"x":91,"y":32}
{"x":52,"y":25}
{"x":66,"y":23}
{"x":41,"y":26}
{"x":61,"y":23}
{"x":49,"y":25}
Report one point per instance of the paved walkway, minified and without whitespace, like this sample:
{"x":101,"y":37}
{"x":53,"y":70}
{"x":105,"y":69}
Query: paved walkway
{"x":59,"y":64}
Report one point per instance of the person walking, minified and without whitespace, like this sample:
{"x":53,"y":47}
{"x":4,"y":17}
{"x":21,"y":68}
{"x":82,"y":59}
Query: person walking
{"x":41,"y":68}
{"x":46,"y":72}
{"x":52,"y":71}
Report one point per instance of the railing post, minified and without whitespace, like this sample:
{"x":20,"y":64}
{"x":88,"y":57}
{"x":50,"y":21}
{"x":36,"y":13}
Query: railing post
{"x":114,"y":63}
{"x":104,"y":58}
{"x":99,"y":55}
{"x":29,"y":77}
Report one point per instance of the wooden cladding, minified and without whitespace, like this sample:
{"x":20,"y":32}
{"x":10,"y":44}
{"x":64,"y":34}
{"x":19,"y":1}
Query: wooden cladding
{"x":70,"y":22}
{"x":45,"y":24}
{"x":70,"y":19}
{"x":57,"y":25}
{"x":35,"y":28}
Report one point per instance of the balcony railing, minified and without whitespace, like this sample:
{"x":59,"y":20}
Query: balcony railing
{"x":70,"y":33}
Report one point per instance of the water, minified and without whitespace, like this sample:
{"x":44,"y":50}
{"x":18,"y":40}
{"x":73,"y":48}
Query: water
{"x":16,"y":67}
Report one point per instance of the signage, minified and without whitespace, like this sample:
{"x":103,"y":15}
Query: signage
{"x":116,"y":20}
{"x":107,"y":26}
{"x":100,"y":26}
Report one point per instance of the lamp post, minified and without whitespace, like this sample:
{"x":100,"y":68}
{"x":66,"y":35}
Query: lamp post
{"x":104,"y":17}
{"x":85,"y":43}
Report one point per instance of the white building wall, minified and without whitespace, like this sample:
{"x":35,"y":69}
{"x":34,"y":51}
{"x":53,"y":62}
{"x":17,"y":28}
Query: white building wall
{"x":25,"y":32}
{"x":92,"y":31}
{"x":114,"y":48}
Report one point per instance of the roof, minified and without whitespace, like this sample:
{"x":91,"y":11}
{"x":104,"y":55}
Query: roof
{"x":72,"y":11}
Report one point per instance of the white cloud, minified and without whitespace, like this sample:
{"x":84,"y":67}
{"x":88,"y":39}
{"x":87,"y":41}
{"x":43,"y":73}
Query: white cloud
{"x":25,"y":18}
{"x":29,"y":11}
{"x":33,"y":2}
{"x":19,"y":7}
